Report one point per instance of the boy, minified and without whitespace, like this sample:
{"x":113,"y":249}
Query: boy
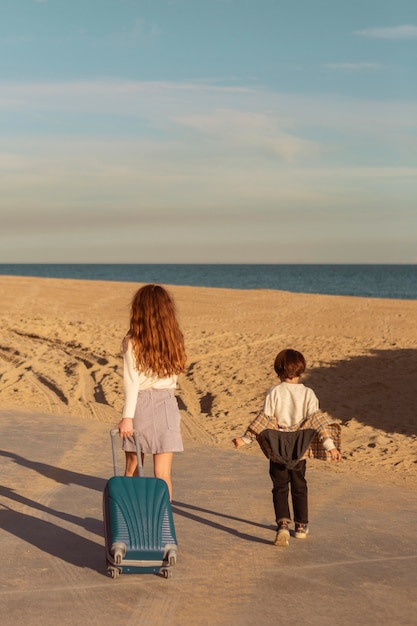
{"x":288,"y":428}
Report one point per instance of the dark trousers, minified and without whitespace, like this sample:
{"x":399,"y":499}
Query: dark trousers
{"x":282,"y":477}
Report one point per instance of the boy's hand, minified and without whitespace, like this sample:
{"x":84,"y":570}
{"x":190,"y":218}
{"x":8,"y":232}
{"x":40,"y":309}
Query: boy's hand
{"x":238,"y":442}
{"x":335,"y":454}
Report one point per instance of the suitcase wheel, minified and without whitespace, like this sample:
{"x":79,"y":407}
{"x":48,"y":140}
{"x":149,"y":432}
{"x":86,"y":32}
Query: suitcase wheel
{"x":172,"y":557}
{"x":166,"y":572}
{"x":114,"y":572}
{"x":118,"y":551}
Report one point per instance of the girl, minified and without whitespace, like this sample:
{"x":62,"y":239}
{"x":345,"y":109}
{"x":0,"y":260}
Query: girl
{"x":153,"y":356}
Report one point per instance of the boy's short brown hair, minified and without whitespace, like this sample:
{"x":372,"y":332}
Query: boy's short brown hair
{"x":289,"y":364}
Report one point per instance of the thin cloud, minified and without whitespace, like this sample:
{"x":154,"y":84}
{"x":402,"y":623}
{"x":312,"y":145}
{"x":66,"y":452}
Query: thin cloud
{"x":166,"y":101}
{"x":407,"y":31}
{"x":16,"y":39}
{"x":265,"y":134}
{"x":354,"y":67}
{"x":142,"y":34}
{"x":204,"y":108}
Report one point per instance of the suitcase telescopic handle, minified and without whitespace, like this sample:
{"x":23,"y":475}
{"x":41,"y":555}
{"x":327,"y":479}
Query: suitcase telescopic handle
{"x":114,"y":435}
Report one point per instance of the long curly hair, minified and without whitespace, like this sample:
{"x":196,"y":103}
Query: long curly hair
{"x":157,"y":340}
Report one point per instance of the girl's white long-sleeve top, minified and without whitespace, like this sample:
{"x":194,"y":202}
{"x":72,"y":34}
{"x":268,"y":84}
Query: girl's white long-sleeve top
{"x":135,"y":381}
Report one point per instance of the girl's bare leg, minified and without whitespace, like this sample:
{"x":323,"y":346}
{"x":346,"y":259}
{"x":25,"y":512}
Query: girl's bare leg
{"x":132,"y":464}
{"x":162,"y":464}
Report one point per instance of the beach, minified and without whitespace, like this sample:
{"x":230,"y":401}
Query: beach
{"x":61,"y":392}
{"x":60,"y":355}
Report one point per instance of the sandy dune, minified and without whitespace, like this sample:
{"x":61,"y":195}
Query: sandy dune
{"x":60,"y":354}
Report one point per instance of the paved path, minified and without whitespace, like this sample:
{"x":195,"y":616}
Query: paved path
{"x":358,"y":565}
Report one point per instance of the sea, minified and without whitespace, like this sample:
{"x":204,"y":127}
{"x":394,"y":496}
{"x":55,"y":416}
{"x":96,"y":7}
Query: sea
{"x":366,"y":281}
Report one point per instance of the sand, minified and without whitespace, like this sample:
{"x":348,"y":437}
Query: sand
{"x":60,"y":355}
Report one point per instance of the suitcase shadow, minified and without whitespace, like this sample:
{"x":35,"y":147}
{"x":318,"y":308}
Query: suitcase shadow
{"x":89,"y":523}
{"x":192,"y":511}
{"x":54,"y":540}
{"x":59,"y":475}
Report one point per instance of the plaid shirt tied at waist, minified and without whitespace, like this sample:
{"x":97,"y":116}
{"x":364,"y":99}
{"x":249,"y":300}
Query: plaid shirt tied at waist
{"x":325,"y":428}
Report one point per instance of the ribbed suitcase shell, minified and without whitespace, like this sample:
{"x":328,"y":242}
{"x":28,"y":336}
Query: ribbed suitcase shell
{"x":138,"y":526}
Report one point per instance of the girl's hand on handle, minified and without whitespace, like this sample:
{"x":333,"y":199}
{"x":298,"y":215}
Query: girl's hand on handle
{"x":125,"y":427}
{"x":238,"y":442}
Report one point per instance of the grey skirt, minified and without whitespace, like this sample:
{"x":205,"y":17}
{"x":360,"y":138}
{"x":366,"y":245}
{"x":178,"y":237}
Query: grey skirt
{"x":157,"y":420}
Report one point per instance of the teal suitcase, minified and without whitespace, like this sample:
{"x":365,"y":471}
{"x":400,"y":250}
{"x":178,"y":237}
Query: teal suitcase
{"x":138,"y":523}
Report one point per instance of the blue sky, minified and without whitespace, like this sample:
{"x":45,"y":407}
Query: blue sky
{"x":181,"y":131}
